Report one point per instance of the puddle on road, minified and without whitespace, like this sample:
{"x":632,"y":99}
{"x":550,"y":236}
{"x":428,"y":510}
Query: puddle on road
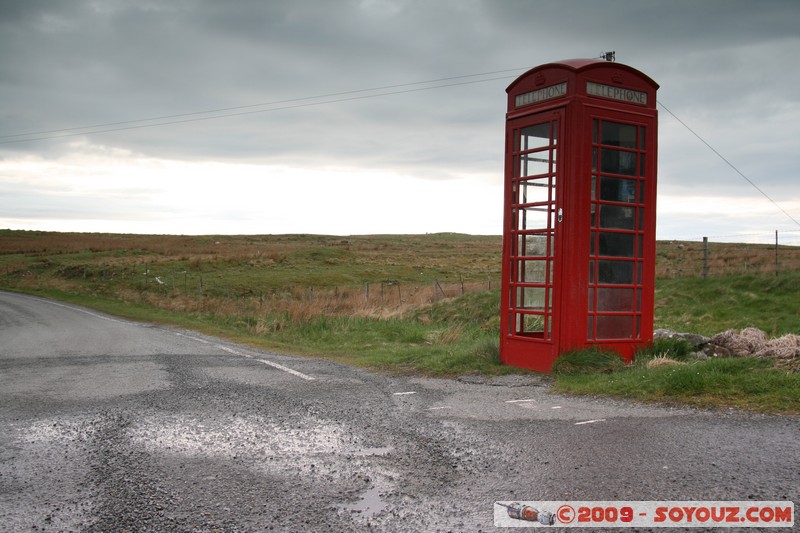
{"x":250,"y":436}
{"x":368,"y":505}
{"x":63,"y":430}
{"x":317,"y":449}
{"x":254,"y":437}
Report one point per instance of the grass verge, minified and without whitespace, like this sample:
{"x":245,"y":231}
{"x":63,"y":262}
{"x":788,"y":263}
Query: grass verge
{"x":445,"y":339}
{"x":744,"y":383}
{"x":373,"y":305}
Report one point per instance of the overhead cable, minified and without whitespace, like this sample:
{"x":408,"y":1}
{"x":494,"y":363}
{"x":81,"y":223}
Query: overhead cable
{"x":748,"y":180}
{"x":92,"y":128}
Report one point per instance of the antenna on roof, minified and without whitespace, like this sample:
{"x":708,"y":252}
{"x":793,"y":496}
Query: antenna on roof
{"x":609,"y":56}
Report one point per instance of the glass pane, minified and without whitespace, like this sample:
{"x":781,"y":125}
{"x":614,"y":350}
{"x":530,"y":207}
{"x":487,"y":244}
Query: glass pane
{"x":594,"y":187}
{"x":642,"y":144}
{"x":534,"y":164}
{"x":531,"y":298}
{"x":594,"y":131}
{"x":614,"y":327}
{"x":534,"y":136}
{"x":535,"y":271}
{"x":615,"y":134}
{"x":533,"y":191}
{"x":530,"y":323}
{"x":616,"y":216}
{"x":611,"y":299}
{"x":618,"y":162}
{"x":617,"y":190}
{"x":533,"y":218}
{"x":615,"y":272}
{"x":532,"y":245}
{"x":590,"y":333}
{"x":616,"y":244}
{"x":641,"y":164}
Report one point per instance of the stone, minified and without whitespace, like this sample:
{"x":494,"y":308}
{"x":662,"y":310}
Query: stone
{"x":695,"y":340}
{"x":714,"y":350}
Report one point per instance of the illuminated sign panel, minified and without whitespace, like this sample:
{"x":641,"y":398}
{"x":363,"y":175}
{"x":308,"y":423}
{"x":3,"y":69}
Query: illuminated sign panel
{"x":616,"y":93}
{"x":545,"y":93}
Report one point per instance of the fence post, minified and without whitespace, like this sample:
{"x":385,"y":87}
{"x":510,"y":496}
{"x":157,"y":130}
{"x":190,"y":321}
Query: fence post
{"x":705,"y":257}
{"x":366,"y":292}
{"x":777,"y":265}
{"x":435,"y":290}
{"x":462,"y":284}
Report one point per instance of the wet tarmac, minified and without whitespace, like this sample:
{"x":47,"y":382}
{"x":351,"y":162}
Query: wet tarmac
{"x":107,"y":425}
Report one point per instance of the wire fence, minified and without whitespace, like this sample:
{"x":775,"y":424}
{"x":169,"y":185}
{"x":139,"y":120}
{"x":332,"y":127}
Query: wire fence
{"x":188,"y":289}
{"x":214,"y":292}
{"x":708,"y":257}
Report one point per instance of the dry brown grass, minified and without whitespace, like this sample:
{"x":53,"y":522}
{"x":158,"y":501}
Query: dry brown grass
{"x":663,"y":360}
{"x":685,"y":258}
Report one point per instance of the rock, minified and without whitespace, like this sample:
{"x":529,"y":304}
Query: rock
{"x":695,"y":340}
{"x":714,"y":350}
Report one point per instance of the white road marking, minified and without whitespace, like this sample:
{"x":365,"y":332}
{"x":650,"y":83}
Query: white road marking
{"x":590,"y":421}
{"x":84,"y":311}
{"x":286,"y":369}
{"x":404,"y":393}
{"x":556,"y":407}
{"x":437,"y":408}
{"x":521,"y":401}
{"x":193,"y":338}
{"x":263,"y":361}
{"x":230,"y":350}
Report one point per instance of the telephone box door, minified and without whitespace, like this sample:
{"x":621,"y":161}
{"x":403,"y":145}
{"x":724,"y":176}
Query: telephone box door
{"x":530,"y":301}
{"x":622,"y":250}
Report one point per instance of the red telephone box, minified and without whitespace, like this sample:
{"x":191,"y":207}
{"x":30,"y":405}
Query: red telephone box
{"x":580,"y":212}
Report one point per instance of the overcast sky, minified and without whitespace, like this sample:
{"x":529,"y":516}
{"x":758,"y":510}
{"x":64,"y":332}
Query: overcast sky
{"x":325,"y":127}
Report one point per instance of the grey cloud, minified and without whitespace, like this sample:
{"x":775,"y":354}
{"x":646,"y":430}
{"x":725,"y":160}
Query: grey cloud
{"x":65,"y":64}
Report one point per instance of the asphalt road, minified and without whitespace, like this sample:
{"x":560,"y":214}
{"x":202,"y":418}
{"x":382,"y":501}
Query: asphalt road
{"x":110,"y":425}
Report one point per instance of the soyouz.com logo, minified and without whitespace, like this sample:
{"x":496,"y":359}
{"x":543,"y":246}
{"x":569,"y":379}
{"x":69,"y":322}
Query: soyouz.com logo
{"x":674,"y":514}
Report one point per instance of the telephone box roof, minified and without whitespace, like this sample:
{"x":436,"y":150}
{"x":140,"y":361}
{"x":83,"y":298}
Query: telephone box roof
{"x":583,"y":65}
